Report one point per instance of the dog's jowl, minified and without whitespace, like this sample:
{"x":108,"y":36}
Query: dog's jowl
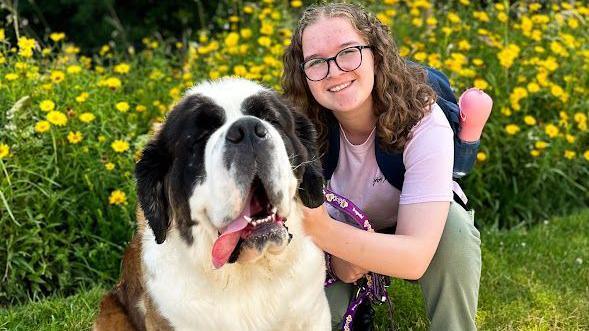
{"x":219,"y":244}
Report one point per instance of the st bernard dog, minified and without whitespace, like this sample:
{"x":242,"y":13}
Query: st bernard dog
{"x":220,"y":244}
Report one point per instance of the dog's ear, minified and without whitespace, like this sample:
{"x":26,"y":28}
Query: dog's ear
{"x":151,"y":172}
{"x":311,"y":187}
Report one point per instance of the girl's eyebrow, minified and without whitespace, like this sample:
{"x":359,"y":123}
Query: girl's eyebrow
{"x":344,"y":45}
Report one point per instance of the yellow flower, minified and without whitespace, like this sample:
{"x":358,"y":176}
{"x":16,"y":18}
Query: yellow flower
{"x":113,"y":83}
{"x":265,"y":41}
{"x":512,"y":129}
{"x":42,"y":126}
{"x":73,"y":69}
{"x":508,"y":54}
{"x":246,"y":33}
{"x":117,"y":197}
{"x":109,"y":166}
{"x":72,"y":50}
{"x":248,"y":9}
{"x":82,"y":97}
{"x":452,"y":17}
{"x":481,"y":156}
{"x":573,"y":23}
{"x":551,"y":130}
{"x":535,"y":153}
{"x":556,"y":90}
{"x":11,"y":76}
{"x":569,"y":154}
{"x":541,"y":144}
{"x":529,"y":120}
{"x":57,"y":36}
{"x":502,"y":17}
{"x":431,"y":21}
{"x":119,"y":146}
{"x":463,"y":45}
{"x":122,"y":68}
{"x":25,"y":46}
{"x":420,"y":56}
{"x":122,"y":106}
{"x":481,"y":16}
{"x":481,"y":84}
{"x":87,"y":117}
{"x":586,"y":155}
{"x":213,"y":74}
{"x":140,"y":108}
{"x":74,"y":137}
{"x":266,"y":28}
{"x":296,"y":3}
{"x":570,"y":139}
{"x":174,"y":92}
{"x":2,"y":35}
{"x":47,"y":105}
{"x":57,"y":118}
{"x":533,"y":87}
{"x":239,"y":70}
{"x":580,"y":117}
{"x":57,"y":76}
{"x":4,"y":151}
{"x":232,"y":39}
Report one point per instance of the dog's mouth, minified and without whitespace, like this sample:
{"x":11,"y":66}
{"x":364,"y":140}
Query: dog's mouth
{"x":254,"y":227}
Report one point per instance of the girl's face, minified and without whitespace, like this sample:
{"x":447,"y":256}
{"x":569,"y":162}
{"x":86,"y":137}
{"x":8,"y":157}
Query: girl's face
{"x":340,"y":91}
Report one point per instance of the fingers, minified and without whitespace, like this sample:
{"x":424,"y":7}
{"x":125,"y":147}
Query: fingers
{"x":347,"y":272}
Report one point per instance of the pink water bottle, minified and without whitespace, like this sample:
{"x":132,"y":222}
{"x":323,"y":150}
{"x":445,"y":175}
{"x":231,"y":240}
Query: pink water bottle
{"x":475,"y":108}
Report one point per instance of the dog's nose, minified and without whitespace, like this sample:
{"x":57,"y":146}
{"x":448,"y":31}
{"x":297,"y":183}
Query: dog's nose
{"x":246,"y":129}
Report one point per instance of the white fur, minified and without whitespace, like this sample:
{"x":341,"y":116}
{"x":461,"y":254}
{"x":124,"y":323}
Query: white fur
{"x":278,"y":292}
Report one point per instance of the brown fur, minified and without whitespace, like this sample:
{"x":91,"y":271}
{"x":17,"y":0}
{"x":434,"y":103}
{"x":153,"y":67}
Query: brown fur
{"x":122,"y":308}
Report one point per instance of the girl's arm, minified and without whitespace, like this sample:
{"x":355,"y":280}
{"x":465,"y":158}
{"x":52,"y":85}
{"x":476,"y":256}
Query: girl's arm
{"x":406,"y":254}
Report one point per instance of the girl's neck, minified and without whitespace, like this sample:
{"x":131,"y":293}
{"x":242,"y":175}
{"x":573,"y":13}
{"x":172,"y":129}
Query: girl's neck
{"x":357,"y":125}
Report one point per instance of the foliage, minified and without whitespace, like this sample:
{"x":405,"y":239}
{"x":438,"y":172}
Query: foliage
{"x":92,"y":24}
{"x":548,"y":292}
{"x":73,"y":125}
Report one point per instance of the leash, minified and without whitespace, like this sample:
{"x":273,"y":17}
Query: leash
{"x":373,"y":286}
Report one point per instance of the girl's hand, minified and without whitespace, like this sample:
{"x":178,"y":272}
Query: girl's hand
{"x":345,"y":271}
{"x":315,"y":220}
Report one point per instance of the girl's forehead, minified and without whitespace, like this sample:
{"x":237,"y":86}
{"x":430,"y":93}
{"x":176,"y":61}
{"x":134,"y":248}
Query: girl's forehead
{"x":328,"y":33}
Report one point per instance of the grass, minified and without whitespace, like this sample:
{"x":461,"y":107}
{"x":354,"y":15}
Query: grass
{"x":532,"y":279}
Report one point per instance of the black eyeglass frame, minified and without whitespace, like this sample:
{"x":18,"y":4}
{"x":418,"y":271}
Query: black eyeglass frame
{"x":333,"y":58}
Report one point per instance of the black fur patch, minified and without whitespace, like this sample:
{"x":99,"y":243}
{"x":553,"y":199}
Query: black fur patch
{"x":173,"y":163}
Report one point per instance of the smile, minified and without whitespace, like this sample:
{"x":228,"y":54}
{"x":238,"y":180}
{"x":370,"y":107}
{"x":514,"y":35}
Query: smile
{"x":340,"y":87}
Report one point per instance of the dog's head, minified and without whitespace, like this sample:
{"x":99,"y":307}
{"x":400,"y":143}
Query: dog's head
{"x":232,"y":155}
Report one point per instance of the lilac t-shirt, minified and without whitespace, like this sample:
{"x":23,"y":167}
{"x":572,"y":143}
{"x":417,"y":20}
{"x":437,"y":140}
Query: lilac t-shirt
{"x":428,"y":158}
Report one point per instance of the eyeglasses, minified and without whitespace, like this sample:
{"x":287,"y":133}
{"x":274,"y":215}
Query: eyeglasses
{"x":348,"y":59}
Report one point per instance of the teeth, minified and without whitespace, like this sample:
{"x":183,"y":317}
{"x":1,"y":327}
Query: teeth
{"x":248,"y":219}
{"x":340,"y":87}
{"x":255,"y":223}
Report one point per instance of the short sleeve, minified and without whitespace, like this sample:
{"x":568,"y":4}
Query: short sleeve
{"x":428,"y":157}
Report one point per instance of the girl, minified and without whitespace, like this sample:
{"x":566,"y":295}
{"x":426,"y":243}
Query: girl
{"x":343,"y":70}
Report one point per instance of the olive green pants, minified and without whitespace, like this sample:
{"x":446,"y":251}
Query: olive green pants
{"x":450,"y":285}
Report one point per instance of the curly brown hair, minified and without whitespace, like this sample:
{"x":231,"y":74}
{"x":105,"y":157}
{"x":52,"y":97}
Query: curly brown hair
{"x":401,"y":95}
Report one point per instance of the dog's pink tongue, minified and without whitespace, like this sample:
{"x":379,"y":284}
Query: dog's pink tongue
{"x":225,"y":244}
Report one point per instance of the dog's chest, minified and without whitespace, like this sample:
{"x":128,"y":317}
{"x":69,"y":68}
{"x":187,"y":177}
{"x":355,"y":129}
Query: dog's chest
{"x":232,"y":298}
